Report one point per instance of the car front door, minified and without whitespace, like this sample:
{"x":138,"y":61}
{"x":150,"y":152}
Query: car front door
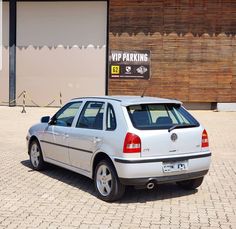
{"x":55,"y":138}
{"x":87,"y":136}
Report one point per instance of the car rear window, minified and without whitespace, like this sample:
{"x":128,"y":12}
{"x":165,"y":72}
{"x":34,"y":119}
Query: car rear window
{"x":160,"y":116}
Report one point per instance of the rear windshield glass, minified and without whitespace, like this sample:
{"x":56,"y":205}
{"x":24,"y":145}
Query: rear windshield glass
{"x":160,"y":116}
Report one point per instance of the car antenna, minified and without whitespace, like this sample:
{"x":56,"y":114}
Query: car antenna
{"x":145,"y":89}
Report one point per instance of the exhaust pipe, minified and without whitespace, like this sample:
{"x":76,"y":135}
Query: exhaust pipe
{"x":150,"y":185}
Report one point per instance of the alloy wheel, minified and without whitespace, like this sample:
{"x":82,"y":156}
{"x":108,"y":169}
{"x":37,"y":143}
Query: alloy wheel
{"x":34,"y":155}
{"x":104,"y":180}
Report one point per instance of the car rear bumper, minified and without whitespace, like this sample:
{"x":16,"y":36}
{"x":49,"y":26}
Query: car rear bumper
{"x":141,"y":171}
{"x":162,"y":179}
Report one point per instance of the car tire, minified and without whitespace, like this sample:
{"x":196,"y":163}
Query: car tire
{"x":191,"y":184}
{"x":36,"y":156}
{"x":106,"y":181}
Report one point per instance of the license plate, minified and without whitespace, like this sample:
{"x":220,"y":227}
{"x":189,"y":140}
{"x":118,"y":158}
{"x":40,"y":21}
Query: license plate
{"x":176,"y":166}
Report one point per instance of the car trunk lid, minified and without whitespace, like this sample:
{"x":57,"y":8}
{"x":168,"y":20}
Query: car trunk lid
{"x":165,"y":143}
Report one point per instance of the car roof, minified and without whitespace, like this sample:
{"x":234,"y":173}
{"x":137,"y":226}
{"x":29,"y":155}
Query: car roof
{"x":132,"y":100}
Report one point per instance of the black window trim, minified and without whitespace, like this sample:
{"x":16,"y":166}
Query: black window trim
{"x":112,"y":108}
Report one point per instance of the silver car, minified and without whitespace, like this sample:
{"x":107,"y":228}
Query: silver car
{"x":120,"y":141}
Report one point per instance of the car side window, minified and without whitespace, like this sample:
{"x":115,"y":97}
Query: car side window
{"x":65,"y":116}
{"x":111,"y":118}
{"x":92,"y":116}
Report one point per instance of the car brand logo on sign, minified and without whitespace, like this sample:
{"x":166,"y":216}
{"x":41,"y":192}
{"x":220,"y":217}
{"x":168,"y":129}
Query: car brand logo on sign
{"x":174,"y":137}
{"x":130,"y":64}
{"x":128,"y":69}
{"x":141,"y":70}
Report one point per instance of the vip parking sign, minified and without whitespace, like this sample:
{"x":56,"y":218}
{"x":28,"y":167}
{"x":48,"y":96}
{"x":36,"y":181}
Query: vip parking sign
{"x":130,"y":64}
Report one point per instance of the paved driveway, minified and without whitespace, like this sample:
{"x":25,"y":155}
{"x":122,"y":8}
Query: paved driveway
{"x":57,"y":198}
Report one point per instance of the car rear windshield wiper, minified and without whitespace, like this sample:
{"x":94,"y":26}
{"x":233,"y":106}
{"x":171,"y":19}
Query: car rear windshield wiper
{"x":181,"y":126}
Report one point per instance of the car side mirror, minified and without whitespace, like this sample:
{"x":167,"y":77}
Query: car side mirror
{"x":52,"y":121}
{"x":45,"y":119}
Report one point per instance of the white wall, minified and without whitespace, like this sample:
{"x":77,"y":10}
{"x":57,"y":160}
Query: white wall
{"x":4,"y":73}
{"x":61,"y":46}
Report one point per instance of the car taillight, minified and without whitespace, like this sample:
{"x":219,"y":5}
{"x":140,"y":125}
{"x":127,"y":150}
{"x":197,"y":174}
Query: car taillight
{"x":132,"y":143}
{"x":205,"y":142}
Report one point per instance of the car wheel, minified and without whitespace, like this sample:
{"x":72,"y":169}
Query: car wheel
{"x":107,"y":184}
{"x":36,"y":157}
{"x":191,"y":184}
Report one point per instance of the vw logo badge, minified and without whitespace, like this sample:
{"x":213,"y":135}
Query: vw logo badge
{"x":174,"y":137}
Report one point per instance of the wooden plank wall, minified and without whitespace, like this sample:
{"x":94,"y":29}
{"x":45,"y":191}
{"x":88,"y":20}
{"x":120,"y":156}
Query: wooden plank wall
{"x":192,"y":43}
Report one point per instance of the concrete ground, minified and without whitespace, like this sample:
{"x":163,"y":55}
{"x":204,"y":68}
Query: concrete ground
{"x":57,"y":198}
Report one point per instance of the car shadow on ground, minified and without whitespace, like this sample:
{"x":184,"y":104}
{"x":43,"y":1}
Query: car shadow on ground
{"x":132,"y":195}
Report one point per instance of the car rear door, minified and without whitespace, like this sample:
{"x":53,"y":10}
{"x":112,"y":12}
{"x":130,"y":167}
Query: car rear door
{"x":87,"y":135}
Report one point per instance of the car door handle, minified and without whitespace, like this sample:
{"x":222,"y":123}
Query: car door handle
{"x":96,"y":140}
{"x":66,"y":135}
{"x":55,"y":134}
